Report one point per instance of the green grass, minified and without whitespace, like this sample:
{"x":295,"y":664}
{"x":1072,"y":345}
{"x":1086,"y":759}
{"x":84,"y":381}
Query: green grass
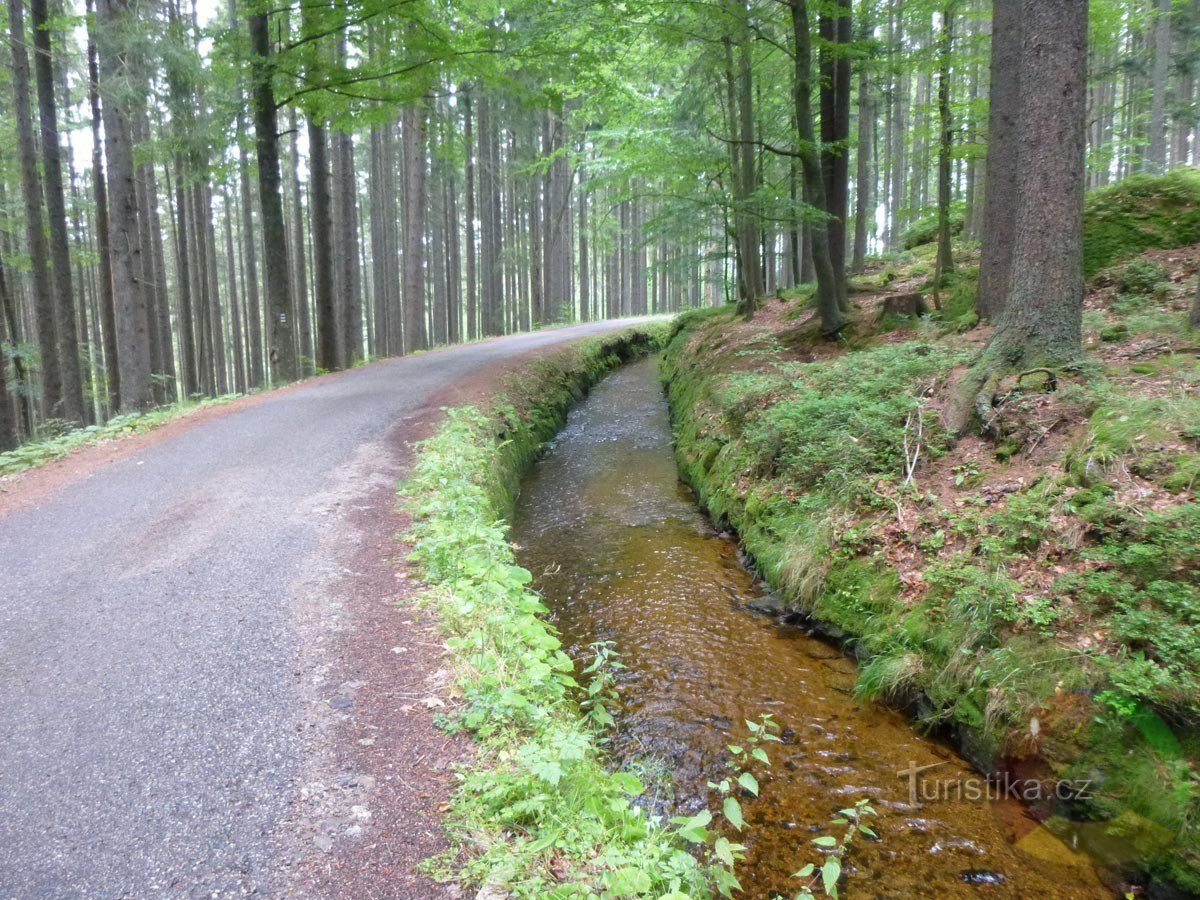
{"x":41,"y":451}
{"x":806,"y":461}
{"x":1140,"y":213}
{"x":540,"y":787}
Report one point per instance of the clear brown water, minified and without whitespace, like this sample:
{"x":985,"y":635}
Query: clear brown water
{"x":620,"y":552}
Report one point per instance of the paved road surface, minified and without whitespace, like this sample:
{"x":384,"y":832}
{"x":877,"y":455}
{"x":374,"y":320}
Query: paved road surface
{"x":153,"y":618}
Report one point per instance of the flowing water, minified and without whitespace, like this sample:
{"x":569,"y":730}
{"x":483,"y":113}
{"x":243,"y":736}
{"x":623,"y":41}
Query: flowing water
{"x":620,"y":552}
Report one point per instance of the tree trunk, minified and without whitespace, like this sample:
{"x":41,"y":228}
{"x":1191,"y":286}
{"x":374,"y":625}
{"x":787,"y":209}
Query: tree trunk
{"x":56,"y":211}
{"x":9,"y":432}
{"x":413,"y":148}
{"x":133,"y":340}
{"x":31,"y":193}
{"x":1041,"y":322}
{"x":347,"y":231}
{"x":321,"y":231}
{"x":278,"y":291}
{"x":471,"y":300}
{"x":864,"y":215}
{"x":1000,"y":195}
{"x":108,"y":321}
{"x":835,"y":134}
{"x":830,"y":310}
{"x":945,"y":257}
{"x":1156,"y":147}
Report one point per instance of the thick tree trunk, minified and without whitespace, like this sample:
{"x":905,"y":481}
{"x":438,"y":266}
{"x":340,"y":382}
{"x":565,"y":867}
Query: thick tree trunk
{"x":835,"y":134}
{"x":413,"y":148}
{"x":830,"y":310}
{"x":133,"y":339}
{"x":321,"y":230}
{"x":281,"y":331}
{"x":1000,"y":194}
{"x":1156,"y":147}
{"x":350,"y":276}
{"x":31,"y":193}
{"x":1041,"y":321}
{"x":56,"y":212}
{"x":299,"y":256}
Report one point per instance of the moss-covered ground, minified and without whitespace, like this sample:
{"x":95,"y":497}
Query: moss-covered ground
{"x":1032,"y":588}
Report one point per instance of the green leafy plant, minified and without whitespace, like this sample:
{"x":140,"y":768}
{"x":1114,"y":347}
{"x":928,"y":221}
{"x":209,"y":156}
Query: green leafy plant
{"x":825,"y":874}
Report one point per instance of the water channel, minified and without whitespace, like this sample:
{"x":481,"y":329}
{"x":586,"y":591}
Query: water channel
{"x":620,"y":551}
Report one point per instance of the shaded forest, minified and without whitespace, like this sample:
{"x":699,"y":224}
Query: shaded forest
{"x":211,"y":199}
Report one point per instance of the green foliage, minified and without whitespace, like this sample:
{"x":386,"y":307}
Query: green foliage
{"x":1141,"y":276}
{"x":925,"y":230}
{"x":806,"y":465}
{"x":540,"y":786}
{"x":46,"y":449}
{"x":826,"y":873}
{"x":1140,"y":213}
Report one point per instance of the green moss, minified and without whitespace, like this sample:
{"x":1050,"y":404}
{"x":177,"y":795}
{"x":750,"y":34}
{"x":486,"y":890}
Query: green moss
{"x":1140,"y":213}
{"x":801,"y":459}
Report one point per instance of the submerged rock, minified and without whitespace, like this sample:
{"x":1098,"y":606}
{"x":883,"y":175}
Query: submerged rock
{"x":771,"y":604}
{"x":981,"y":876}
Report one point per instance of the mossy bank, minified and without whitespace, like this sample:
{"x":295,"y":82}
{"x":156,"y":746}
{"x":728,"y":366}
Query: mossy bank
{"x":1032,"y":592}
{"x":538,"y":813}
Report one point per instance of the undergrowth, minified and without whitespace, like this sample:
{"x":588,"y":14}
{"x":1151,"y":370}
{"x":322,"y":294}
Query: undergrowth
{"x":46,"y":449}
{"x":538,"y":813}
{"x":1052,"y":616}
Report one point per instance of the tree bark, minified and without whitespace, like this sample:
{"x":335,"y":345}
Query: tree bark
{"x":945,"y":257}
{"x":864,"y":213}
{"x":833,"y":318}
{"x":321,"y":231}
{"x":1041,"y":321}
{"x":108,"y":321}
{"x":56,"y":213}
{"x":1156,"y":146}
{"x":31,"y":193}
{"x":471,"y":299}
{"x":133,"y":339}
{"x":413,"y":148}
{"x":9,"y":432}
{"x":999,"y":196}
{"x":278,"y":298}
{"x":835,"y":135}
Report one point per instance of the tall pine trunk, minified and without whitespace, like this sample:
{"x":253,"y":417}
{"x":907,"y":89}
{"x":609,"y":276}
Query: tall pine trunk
{"x":278,"y":291}
{"x":999,"y":196}
{"x":833,"y":318}
{"x":56,"y":213}
{"x":31,"y":194}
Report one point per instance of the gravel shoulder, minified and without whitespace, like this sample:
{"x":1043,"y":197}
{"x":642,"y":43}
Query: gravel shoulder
{"x":212,"y":681}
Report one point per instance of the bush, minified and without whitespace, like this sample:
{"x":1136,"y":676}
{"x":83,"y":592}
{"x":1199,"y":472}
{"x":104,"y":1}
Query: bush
{"x":1140,"y":213}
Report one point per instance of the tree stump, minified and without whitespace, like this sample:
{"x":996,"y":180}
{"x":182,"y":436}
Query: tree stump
{"x":903,"y":305}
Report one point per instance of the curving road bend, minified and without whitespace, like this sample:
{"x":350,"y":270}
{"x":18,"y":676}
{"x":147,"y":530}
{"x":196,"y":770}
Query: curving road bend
{"x":171,"y":626}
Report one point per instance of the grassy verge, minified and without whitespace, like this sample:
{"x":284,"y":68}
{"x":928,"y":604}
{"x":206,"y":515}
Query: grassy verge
{"x":41,"y":451}
{"x":1033,"y":592}
{"x":538,"y":813}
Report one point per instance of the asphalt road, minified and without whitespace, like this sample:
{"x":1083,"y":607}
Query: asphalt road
{"x":153,"y":618}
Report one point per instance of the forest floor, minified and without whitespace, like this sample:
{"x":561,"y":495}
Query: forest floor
{"x":216,"y":680}
{"x":1029,"y":587}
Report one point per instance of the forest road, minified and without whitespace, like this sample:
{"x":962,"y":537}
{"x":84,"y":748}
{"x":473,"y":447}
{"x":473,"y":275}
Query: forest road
{"x":206,"y":686}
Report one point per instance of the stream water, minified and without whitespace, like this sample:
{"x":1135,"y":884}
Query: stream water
{"x":620,"y":552}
